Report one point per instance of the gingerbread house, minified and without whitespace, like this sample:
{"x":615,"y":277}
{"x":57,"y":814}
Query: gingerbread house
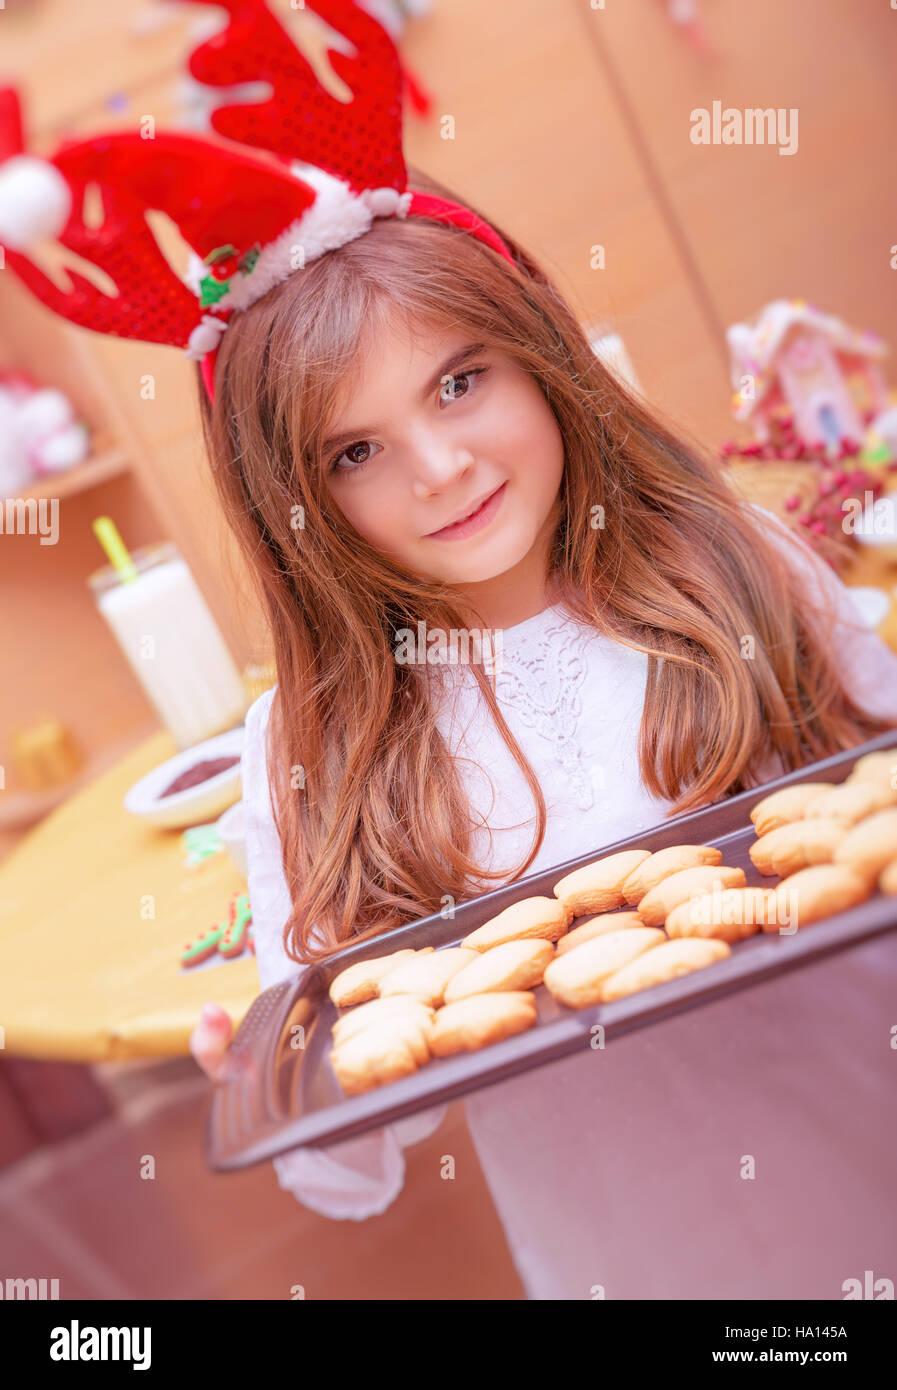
{"x":792,"y":354}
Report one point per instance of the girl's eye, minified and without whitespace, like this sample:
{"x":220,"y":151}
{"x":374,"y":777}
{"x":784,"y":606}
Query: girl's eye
{"x":449,"y":387}
{"x":358,"y":454}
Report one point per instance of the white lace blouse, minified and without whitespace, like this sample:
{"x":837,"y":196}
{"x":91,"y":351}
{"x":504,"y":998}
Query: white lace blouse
{"x":573,"y":699}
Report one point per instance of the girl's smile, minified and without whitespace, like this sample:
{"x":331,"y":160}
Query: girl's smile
{"x":472,"y":521}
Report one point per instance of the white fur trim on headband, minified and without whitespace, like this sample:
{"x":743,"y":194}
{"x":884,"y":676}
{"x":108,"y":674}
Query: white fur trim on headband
{"x":335,"y":217}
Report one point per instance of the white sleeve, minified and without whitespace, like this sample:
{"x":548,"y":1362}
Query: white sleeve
{"x":867,"y":665}
{"x":359,"y":1177}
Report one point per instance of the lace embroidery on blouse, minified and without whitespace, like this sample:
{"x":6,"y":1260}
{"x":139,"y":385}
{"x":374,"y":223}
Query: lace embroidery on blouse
{"x":542,"y":680}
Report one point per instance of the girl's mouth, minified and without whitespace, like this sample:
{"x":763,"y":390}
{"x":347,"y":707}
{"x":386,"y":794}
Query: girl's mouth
{"x":474,"y":522}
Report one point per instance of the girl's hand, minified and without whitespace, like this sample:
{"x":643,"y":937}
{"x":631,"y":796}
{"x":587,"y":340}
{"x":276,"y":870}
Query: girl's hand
{"x":210,"y":1040}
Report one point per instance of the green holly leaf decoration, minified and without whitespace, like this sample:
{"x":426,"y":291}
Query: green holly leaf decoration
{"x":247,"y":261}
{"x":215,"y":287}
{"x":220,"y":253}
{"x":211,"y":290}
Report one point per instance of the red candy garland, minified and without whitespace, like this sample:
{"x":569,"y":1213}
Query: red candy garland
{"x":837,"y":480}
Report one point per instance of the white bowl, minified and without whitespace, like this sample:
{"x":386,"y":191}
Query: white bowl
{"x":232,"y":829}
{"x":195,"y":805}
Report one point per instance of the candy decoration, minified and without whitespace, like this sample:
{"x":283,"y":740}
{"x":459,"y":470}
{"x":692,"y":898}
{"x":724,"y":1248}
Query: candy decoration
{"x":834,"y":472}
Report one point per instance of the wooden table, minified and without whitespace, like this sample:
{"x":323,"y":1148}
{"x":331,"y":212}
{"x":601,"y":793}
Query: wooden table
{"x":95,"y":907}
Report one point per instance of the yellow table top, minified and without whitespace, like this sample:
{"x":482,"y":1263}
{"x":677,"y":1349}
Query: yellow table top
{"x":86,"y":973}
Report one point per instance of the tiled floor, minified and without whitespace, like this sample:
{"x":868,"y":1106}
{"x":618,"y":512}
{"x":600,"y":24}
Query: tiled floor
{"x":80,"y":1211}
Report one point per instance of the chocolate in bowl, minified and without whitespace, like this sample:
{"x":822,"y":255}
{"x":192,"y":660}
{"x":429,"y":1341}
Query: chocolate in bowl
{"x":198,"y":773}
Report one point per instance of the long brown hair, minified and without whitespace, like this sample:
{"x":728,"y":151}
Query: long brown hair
{"x":374,"y":823}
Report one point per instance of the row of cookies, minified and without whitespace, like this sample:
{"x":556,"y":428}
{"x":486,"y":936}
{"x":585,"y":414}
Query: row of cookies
{"x":687,"y":908}
{"x":871,"y":785}
{"x":850,"y":826}
{"x":703,"y":905}
{"x":618,"y":953}
{"x":827,"y":864}
{"x":411,"y":1005}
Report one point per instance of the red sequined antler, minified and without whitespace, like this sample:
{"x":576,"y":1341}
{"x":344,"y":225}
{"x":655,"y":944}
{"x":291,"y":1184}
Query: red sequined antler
{"x":359,"y":141}
{"x":242,"y":212}
{"x":229,"y":190}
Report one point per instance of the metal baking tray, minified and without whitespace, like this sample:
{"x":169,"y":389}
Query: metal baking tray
{"x":284,"y":1094}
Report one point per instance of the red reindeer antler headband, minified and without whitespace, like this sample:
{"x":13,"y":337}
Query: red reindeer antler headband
{"x":250,"y":222}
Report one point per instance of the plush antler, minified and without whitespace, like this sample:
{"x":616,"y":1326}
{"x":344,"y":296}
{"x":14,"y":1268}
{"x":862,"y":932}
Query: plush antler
{"x":133,"y":175}
{"x":250,"y":219}
{"x":358,"y":141}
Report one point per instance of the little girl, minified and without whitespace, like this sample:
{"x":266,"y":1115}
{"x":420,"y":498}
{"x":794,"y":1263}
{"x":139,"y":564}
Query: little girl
{"x":413,"y":431}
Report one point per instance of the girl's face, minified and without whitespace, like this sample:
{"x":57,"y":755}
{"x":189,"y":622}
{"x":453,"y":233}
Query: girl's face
{"x":436,"y":430}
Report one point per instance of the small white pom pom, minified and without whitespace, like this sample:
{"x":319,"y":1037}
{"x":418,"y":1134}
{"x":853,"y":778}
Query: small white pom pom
{"x":35,"y":201}
{"x":205,"y":337}
{"x":383,"y":202}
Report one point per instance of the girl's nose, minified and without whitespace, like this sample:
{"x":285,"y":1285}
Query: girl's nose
{"x":438,"y":464}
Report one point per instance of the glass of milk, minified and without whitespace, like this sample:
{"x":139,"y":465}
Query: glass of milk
{"x":164,"y":627}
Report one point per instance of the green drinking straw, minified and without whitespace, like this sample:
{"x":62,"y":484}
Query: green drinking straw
{"x":106,"y":533}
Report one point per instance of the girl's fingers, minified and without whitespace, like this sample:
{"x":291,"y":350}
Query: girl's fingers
{"x":216,"y":1018}
{"x":210,"y":1040}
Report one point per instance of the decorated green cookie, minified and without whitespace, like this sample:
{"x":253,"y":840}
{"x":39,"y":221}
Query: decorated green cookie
{"x":203,"y":947}
{"x":234,"y":938}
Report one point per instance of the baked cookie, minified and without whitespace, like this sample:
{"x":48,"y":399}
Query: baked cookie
{"x":598,"y":926}
{"x":541,"y":917}
{"x":658,"y":903}
{"x":427,"y":976}
{"x":851,"y":801}
{"x":598,"y":887}
{"x":820,"y":891}
{"x":876,"y":767}
{"x":385,"y":1051}
{"x":887,"y":879}
{"x":575,"y":978}
{"x":665,"y":962}
{"x":396,"y":1006}
{"x":481,"y":1019}
{"x":731,"y":915}
{"x":871,"y":844}
{"x":797,"y":845}
{"x":786,"y":805}
{"x":664,"y":862}
{"x":513,"y":965}
{"x":360,"y":982}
